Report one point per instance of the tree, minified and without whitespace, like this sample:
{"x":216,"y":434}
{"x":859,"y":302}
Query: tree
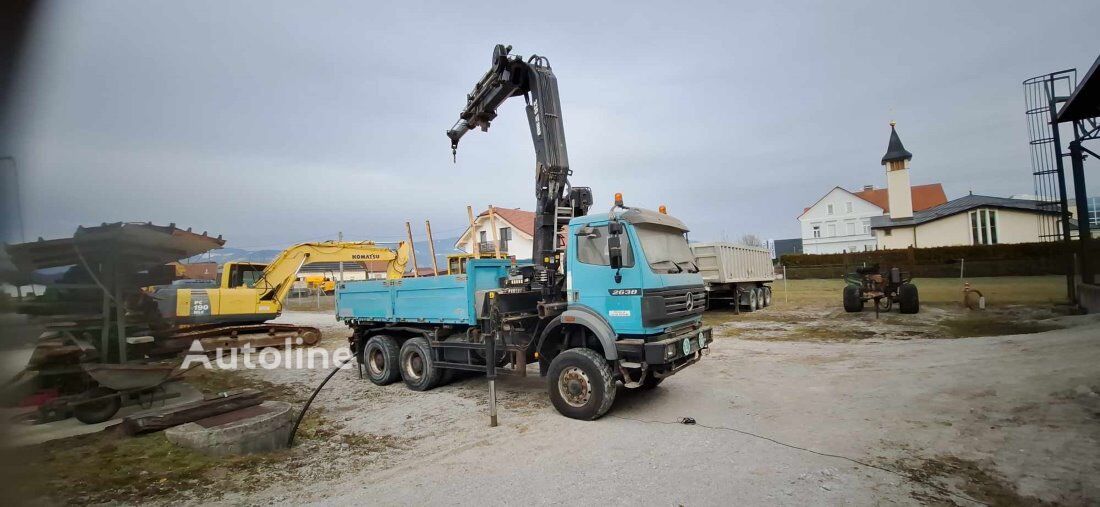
{"x":751,"y":240}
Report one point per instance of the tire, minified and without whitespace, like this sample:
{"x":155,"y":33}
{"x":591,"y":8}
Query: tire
{"x":767,"y":296}
{"x":908,"y":300}
{"x":98,"y":411}
{"x":381,"y":356}
{"x":760,"y":302}
{"x":417,"y":366}
{"x":753,"y":302}
{"x":853,"y":300}
{"x":581,"y":385}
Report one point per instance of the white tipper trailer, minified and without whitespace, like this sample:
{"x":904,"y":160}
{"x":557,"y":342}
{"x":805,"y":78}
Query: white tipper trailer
{"x":735,"y":274}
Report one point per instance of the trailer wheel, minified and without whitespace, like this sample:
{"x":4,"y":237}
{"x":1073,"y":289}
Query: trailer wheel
{"x":417,"y":366}
{"x":581,"y":384}
{"x":853,"y":300}
{"x":753,"y":301}
{"x":98,"y":411}
{"x":767,"y":295}
{"x":381,"y":357}
{"x":908,"y":301}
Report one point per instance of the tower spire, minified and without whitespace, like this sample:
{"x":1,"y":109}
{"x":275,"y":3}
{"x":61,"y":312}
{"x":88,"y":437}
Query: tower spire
{"x":895,"y":151}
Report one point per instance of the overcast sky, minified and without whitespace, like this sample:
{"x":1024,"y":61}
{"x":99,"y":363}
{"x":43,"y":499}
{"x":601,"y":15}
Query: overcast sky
{"x":276,"y":122}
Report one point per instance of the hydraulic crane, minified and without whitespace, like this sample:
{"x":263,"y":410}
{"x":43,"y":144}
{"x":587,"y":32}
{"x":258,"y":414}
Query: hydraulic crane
{"x":556,"y":201}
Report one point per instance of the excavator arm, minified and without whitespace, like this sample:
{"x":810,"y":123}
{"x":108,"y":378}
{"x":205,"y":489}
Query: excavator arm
{"x":279,"y":276}
{"x":556,"y":201}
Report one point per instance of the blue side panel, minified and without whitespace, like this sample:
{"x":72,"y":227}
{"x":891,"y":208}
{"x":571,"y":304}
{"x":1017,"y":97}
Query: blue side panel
{"x":432,"y":299}
{"x":447,"y":299}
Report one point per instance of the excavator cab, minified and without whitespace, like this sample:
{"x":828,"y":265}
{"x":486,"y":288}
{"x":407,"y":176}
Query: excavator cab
{"x":234,"y":275}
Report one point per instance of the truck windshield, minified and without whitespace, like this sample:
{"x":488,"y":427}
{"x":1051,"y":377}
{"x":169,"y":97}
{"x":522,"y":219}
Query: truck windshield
{"x":666,"y":249}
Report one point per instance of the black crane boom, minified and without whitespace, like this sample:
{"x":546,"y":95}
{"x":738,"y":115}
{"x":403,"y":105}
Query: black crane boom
{"x":556,"y":201}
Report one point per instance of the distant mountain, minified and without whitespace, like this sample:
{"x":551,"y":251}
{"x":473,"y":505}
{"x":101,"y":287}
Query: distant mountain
{"x":223,"y":255}
{"x":443,"y":248}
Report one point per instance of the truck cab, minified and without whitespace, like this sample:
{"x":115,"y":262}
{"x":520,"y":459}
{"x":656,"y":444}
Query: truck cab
{"x":632,"y":282}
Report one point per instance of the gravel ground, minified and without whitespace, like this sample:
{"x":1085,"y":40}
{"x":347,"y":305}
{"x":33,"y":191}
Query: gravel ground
{"x":1005,"y":420}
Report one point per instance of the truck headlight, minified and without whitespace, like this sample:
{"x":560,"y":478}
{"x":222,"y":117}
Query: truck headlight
{"x":670,"y":351}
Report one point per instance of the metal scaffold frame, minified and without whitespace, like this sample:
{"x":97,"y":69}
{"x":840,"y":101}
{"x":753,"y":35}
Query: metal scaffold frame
{"x":1059,"y":108}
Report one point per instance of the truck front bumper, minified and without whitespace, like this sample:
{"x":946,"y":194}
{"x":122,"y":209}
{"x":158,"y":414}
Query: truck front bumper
{"x":670,"y":351}
{"x":674,"y":349}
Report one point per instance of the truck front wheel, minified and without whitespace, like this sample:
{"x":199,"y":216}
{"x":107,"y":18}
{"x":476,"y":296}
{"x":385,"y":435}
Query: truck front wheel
{"x":581,"y":384}
{"x":380,"y":358}
{"x":417,"y":366}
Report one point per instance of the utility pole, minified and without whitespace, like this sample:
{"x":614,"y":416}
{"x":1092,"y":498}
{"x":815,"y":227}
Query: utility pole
{"x":340,"y":235}
{"x":431,"y":247}
{"x":412,"y":247}
{"x":473,"y":233}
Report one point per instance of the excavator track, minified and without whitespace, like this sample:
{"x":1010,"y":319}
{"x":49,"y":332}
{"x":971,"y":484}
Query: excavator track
{"x":227,"y":336}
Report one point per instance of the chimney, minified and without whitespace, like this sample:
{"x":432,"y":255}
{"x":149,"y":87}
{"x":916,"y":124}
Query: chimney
{"x":899,"y":192}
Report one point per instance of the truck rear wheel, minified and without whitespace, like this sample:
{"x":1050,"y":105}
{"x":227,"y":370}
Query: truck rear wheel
{"x":767,"y":295}
{"x":380,"y":358}
{"x":908,"y":300}
{"x":753,"y":300}
{"x":417,"y":367}
{"x":853,"y":300}
{"x":581,"y":384}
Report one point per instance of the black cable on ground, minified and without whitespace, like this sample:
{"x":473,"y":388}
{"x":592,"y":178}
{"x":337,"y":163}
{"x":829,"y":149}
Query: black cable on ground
{"x":302,"y":414}
{"x":911,"y":478}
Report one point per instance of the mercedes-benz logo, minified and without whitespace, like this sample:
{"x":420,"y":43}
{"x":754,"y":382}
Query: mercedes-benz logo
{"x":690,"y":305}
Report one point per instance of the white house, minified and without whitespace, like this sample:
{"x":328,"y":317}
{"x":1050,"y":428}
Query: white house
{"x":514,"y":228}
{"x":841,"y":220}
{"x":838,"y":222}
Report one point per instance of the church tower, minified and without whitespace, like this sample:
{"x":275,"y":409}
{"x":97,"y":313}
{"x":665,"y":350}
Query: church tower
{"x":896,"y":161}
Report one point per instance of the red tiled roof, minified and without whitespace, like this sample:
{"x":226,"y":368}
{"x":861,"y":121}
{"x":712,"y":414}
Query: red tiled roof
{"x":523,"y":220}
{"x":924,"y":197}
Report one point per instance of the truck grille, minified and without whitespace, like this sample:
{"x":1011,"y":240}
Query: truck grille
{"x":669,"y":305}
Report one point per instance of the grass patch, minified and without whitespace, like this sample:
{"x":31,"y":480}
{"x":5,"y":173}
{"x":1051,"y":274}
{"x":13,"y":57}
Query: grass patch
{"x":105,"y":468}
{"x":216,"y":381}
{"x":975,"y":480}
{"x":969,"y":326}
{"x":997,"y":290}
{"x":108,"y":468}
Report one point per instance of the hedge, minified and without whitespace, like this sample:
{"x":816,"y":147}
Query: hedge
{"x":1021,"y":259}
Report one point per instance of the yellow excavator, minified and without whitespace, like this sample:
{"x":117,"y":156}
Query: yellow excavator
{"x":248,"y":294}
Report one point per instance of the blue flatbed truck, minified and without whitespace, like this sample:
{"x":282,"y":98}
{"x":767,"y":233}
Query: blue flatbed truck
{"x":633,"y":315}
{"x":605,"y":298}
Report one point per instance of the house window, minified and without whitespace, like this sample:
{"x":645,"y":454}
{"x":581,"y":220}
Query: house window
{"x":481,"y":238}
{"x":983,"y":227}
{"x":505,"y":236}
{"x":867,"y":227}
{"x":817,"y":231}
{"x":848,"y":206}
{"x":829,"y":209}
{"x":832,"y":230}
{"x":851,"y":228}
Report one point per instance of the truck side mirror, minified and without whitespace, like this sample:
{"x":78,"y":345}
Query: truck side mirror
{"x":615,"y":251}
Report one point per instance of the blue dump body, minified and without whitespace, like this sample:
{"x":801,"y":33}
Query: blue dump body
{"x":445,"y":299}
